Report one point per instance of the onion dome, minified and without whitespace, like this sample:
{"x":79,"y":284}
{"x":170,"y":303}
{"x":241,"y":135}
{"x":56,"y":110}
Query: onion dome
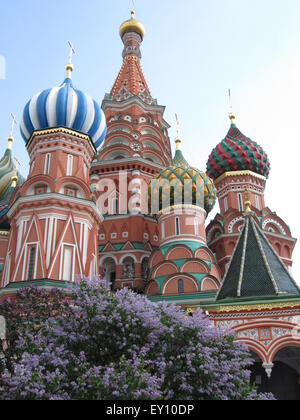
{"x":237,"y":153}
{"x":9,"y":178}
{"x":132,"y":25}
{"x":203,"y":188}
{"x":67,"y":107}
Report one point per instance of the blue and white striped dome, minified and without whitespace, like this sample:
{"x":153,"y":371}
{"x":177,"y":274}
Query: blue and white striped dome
{"x":64,"y":106}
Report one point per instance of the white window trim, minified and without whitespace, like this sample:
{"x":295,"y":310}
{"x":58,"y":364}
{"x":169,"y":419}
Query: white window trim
{"x":47,"y":164}
{"x":70,"y":165}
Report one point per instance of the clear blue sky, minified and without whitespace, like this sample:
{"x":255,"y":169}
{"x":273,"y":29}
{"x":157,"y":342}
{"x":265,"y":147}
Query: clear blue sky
{"x":194,"y":50}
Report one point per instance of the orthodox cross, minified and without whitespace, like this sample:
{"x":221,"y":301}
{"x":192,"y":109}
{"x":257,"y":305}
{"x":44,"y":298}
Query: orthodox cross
{"x":177,"y":125}
{"x":17,"y":164}
{"x":14,"y":122}
{"x":177,"y":140}
{"x":72,"y":51}
{"x":231,"y":115}
{"x":132,"y":9}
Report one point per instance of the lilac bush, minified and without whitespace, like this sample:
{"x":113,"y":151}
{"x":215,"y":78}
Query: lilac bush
{"x":122,"y":346}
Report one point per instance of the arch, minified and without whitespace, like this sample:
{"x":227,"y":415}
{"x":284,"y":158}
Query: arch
{"x":287,"y":341}
{"x":73,"y":181}
{"x":102,"y":259}
{"x":119,"y":154}
{"x":215,"y":271}
{"x":109,"y":269}
{"x":39,"y":179}
{"x":128,"y":268}
{"x":118,"y":142}
{"x":170,"y":287}
{"x":286,"y":252}
{"x":255,"y":346}
{"x":128,"y":256}
{"x":152,"y":289}
{"x":205,"y":254}
{"x":209,"y":284}
{"x":149,"y":132}
{"x":156,"y":258}
{"x":165,"y":268}
{"x":277,"y":248}
{"x":145,"y":267}
{"x":214,"y":233}
{"x":195,"y":266}
{"x":153,"y":158}
{"x":179,"y":252}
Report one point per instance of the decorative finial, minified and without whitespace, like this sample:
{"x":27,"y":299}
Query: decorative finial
{"x":11,"y":134}
{"x":15,"y":178}
{"x":231,"y":115}
{"x":69,"y":66}
{"x":177,"y":140}
{"x":247,"y":201}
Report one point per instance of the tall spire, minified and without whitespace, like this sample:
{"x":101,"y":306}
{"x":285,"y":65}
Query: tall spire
{"x":131,"y":80}
{"x":69,"y":66}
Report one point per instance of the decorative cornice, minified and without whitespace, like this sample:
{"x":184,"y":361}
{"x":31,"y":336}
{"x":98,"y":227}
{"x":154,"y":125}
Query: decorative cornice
{"x":59,"y":130}
{"x":56,"y":197}
{"x":4,"y":233}
{"x":239,"y":173}
{"x":253,"y":307}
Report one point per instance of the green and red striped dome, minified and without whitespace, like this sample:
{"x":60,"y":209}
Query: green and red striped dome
{"x":237,"y":153}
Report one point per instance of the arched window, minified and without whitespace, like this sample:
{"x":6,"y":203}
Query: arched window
{"x":31,"y":262}
{"x":177,"y":226}
{"x":109,"y":272}
{"x":128,"y":269}
{"x":145,"y":270}
{"x":180,"y":286}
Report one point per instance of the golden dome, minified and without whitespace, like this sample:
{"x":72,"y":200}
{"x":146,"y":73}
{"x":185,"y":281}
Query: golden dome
{"x":132,"y":25}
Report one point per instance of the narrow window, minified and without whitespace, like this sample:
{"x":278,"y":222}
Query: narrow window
{"x":67,"y":264}
{"x":70,"y":165}
{"x":226,"y":204}
{"x":163,"y":231}
{"x":177,"y":226}
{"x":241,"y":204}
{"x":196,"y":225}
{"x":180,"y":286}
{"x":47,"y":164}
{"x":31,"y":263}
{"x":257,"y":202}
{"x":114,"y":206}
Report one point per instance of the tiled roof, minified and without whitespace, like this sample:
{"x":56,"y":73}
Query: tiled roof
{"x":255,"y":269}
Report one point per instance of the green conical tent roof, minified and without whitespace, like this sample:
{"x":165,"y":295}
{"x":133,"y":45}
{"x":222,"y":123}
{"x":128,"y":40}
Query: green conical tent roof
{"x":255,"y":269}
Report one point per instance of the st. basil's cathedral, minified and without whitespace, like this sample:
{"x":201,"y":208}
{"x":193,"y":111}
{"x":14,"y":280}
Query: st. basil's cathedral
{"x":72,"y":217}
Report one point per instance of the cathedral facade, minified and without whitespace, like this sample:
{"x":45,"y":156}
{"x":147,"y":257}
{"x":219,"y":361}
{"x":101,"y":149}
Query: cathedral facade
{"x":105,"y":196}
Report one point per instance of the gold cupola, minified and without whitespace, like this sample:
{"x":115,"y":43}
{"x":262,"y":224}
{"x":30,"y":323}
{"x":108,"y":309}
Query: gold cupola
{"x":132,"y":25}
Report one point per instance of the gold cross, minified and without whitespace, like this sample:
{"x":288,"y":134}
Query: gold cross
{"x":14,"y":122}
{"x":230,"y":100}
{"x":177,"y":140}
{"x":231,"y":115}
{"x":72,"y":51}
